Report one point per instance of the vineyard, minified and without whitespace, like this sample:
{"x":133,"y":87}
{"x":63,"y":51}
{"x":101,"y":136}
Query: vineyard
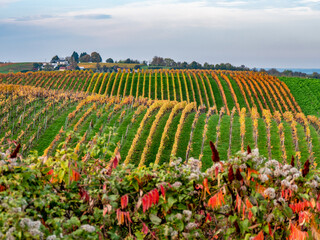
{"x":307,"y":92}
{"x":151,"y":118}
{"x":154,"y":115}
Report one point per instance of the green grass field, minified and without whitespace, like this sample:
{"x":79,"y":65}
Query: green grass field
{"x":16,"y":67}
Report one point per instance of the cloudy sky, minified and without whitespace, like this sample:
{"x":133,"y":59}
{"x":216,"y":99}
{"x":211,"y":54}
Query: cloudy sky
{"x":256,"y":33}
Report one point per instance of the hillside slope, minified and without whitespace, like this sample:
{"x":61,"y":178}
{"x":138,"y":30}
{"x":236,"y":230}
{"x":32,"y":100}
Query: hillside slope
{"x":148,"y":131}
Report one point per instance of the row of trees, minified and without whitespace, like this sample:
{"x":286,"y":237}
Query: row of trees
{"x":170,"y":63}
{"x":160,"y":62}
{"x":84,"y":57}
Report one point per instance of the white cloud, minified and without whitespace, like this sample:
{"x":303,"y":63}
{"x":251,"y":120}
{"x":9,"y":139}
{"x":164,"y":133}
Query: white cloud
{"x":310,"y":1}
{"x":231,"y":4}
{"x":7,"y":2}
{"x":184,"y":30}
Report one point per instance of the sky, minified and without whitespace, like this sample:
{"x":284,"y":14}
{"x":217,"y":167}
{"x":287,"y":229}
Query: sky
{"x":256,"y":33}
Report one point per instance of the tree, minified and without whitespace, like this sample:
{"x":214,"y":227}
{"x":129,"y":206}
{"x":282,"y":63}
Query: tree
{"x":36,"y":66}
{"x":85,"y":58}
{"x":98,"y":66}
{"x":83,"y":54}
{"x":195,"y":65}
{"x":55,"y":59}
{"x":184,"y":65}
{"x":95,"y":57}
{"x":109,"y":60}
{"x":157,"y":61}
{"x":47,"y":67}
{"x":315,"y":75}
{"x":169,"y":62}
{"x":73,"y":64}
{"x":75,"y":56}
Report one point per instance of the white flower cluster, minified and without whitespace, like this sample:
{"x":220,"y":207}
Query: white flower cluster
{"x":263,"y":177}
{"x":211,"y":171}
{"x":52,"y":237}
{"x":315,"y":183}
{"x":27,"y":222}
{"x":243,"y":157}
{"x":16,"y":209}
{"x":270,"y":217}
{"x":312,"y":183}
{"x":2,"y":155}
{"x":12,"y":163}
{"x":9,"y":233}
{"x":176,"y":185}
{"x":194,"y":167}
{"x":270,"y":192}
{"x":174,"y":234}
{"x":33,"y":227}
{"x":88,"y":228}
{"x":285,"y":170}
{"x":175,"y":162}
{"x":194,"y":164}
{"x":187,"y":214}
{"x":191,"y":226}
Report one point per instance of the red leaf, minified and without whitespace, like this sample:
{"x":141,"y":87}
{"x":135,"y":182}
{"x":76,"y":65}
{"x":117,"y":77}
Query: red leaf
{"x":215,"y":154}
{"x":205,"y":184}
{"x":105,"y":210}
{"x":295,"y":233}
{"x":144,"y":204}
{"x":128,"y":216}
{"x":292,"y":161}
{"x":2,"y":188}
{"x":157,"y":196}
{"x":149,"y":201}
{"x":152,"y":198}
{"x":248,"y":149}
{"x":84,"y":195}
{"x":115,"y":162}
{"x":270,"y":230}
{"x":238,"y":175}
{"x":216,"y":200}
{"x":16,"y":151}
{"x":75,"y":176}
{"x":259,"y":236}
{"x":50,"y":172}
{"x":306,"y":169}
{"x":216,"y":171}
{"x":124,"y":201}
{"x":238,"y":204}
{"x":145,"y":229}
{"x":163,"y":191}
{"x":230,"y":174}
{"x":208,"y":218}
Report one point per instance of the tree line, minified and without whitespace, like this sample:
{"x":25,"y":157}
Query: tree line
{"x":161,"y":62}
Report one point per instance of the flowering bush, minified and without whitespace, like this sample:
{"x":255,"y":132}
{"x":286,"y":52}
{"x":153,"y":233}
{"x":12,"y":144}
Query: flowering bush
{"x":82,"y":196}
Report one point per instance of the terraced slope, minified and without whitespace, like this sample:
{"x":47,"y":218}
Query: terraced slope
{"x":149,"y":131}
{"x":205,"y":87}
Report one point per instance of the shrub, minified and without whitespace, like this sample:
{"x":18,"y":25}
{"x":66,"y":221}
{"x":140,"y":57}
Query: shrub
{"x":83,"y":196}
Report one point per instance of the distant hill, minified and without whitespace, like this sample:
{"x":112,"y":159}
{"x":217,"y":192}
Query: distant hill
{"x":15,"y":67}
{"x":303,"y":70}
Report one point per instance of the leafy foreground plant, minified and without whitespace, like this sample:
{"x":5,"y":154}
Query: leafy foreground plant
{"x":81,"y":196}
